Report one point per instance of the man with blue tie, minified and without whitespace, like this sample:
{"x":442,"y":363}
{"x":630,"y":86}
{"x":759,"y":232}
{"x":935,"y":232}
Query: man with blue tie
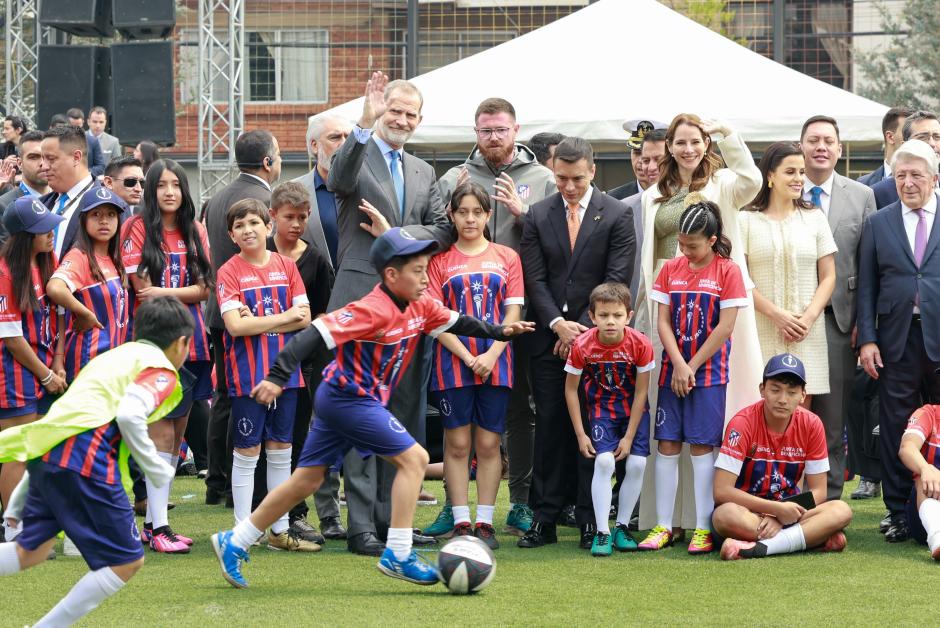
{"x":899,"y":312}
{"x":378,"y":185}
{"x":845,"y":203}
{"x":65,"y":167}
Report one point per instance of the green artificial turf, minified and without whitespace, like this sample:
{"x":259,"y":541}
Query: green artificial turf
{"x":871,"y":583}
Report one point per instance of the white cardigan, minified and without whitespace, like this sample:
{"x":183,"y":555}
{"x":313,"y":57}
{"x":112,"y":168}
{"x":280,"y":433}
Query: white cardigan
{"x":730,"y":188}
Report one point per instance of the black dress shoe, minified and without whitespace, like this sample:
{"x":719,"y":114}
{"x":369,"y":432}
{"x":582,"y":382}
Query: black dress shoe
{"x":885,"y":523}
{"x":588,"y":530}
{"x":420,"y":539}
{"x":331,"y":528}
{"x":612,"y":516}
{"x":365,"y":544}
{"x":538,"y":535}
{"x":898,"y":531}
{"x":567,"y":517}
{"x":214,"y":497}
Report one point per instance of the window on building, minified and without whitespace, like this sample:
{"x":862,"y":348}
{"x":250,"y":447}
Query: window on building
{"x":283,"y":66}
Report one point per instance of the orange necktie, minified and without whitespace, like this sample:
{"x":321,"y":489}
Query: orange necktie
{"x":574,"y":223}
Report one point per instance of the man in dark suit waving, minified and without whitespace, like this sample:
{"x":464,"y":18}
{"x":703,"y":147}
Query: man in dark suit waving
{"x":571,"y":242}
{"x":378,"y":186}
{"x":899,"y":313}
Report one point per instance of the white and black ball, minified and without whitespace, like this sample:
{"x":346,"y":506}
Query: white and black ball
{"x":466,"y":565}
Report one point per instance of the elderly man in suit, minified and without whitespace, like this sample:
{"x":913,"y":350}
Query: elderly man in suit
{"x":571,"y":242}
{"x":920,"y":125}
{"x":899,"y":313}
{"x":891,"y":130}
{"x":846,"y":204}
{"x":259,"y":163}
{"x":378,"y":185}
{"x":326,"y":132}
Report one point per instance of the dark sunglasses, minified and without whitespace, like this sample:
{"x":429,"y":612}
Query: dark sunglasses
{"x":131,"y":182}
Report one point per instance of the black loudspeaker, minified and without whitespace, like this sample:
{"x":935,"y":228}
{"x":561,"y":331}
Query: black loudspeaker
{"x":85,"y":18}
{"x":143,"y":107}
{"x":72,"y":76}
{"x":144,"y":19}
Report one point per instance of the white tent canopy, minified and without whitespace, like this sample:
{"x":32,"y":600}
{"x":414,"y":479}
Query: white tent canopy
{"x":580,"y":75}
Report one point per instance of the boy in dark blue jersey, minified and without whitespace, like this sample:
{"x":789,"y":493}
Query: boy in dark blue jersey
{"x":374,"y":339}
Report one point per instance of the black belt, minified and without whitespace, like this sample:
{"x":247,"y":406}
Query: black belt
{"x":829,"y":310}
{"x":915,"y":318}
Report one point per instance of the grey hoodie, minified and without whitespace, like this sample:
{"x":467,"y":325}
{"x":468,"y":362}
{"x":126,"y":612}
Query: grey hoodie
{"x":533,"y":183}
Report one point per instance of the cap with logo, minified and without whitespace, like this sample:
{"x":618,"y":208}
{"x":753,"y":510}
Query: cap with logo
{"x":98,"y":196}
{"x":29,"y":215}
{"x":638,"y":130}
{"x":785,"y":364}
{"x":397,"y":242}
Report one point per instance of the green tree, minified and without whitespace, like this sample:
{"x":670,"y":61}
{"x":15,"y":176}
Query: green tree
{"x":712,"y":14}
{"x":906,"y":71}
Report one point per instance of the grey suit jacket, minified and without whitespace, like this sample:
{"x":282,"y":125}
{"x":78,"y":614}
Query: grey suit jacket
{"x":110,"y":146}
{"x":359,"y":171}
{"x":851,"y":203}
{"x":635,"y":204}
{"x":221,"y":246}
{"x":314,"y":231}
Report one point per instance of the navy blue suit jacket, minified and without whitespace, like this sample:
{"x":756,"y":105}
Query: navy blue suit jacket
{"x":886,"y":192}
{"x":888,"y":280}
{"x":874,"y":177}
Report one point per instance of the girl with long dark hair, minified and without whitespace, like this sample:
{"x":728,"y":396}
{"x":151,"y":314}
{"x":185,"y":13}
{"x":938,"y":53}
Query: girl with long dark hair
{"x":166,"y":253}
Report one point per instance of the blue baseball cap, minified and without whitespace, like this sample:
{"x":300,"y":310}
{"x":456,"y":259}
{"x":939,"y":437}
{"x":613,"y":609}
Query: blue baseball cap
{"x":98,"y":196}
{"x":397,"y":242}
{"x":29,"y":215}
{"x":785,"y":364}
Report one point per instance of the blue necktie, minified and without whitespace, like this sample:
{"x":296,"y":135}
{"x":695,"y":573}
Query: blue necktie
{"x":59,"y":209}
{"x":816,"y":196}
{"x":398,"y":181}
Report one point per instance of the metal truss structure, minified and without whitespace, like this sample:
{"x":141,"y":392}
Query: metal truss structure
{"x":22,"y":57}
{"x":221,"y":71}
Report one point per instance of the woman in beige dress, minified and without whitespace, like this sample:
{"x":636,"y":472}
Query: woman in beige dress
{"x":791,"y":259}
{"x":692,"y":171}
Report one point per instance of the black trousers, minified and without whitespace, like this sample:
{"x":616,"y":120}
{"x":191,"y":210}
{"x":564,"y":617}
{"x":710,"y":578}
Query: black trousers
{"x":560,"y":474}
{"x":861,"y":422}
{"x":219,"y":438}
{"x":905,"y":386}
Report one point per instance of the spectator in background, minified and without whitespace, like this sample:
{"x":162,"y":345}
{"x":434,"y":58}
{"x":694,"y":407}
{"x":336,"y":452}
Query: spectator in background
{"x":638,"y":129}
{"x":33,"y":182}
{"x":13,"y":129}
{"x":125,"y":177}
{"x":543,"y":146}
{"x":97,"y":121}
{"x":65,"y":167}
{"x":96,"y":158}
{"x":891,"y":130}
{"x":147,"y":152}
{"x":920,"y":125}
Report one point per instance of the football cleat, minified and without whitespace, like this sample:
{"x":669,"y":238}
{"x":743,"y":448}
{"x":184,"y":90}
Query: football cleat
{"x":623,"y":541}
{"x":733,"y":549}
{"x":412,"y":569}
{"x":835,"y":543}
{"x":602,"y":545}
{"x":443,"y":525}
{"x":165,"y":542}
{"x":658,"y":538}
{"x":486,"y":533}
{"x":463,"y":529}
{"x":701,"y":542}
{"x":230,"y":558}
{"x":519,"y":520}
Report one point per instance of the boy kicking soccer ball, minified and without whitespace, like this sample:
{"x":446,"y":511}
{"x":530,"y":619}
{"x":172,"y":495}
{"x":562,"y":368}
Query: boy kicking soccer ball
{"x":374,"y":339}
{"x":767,"y":447}
{"x":76,"y":459}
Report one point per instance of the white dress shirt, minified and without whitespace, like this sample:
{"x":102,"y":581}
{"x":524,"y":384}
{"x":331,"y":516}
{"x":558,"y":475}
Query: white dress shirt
{"x":910,"y":219}
{"x":71,"y":206}
{"x":825,"y":198}
{"x":263,"y":182}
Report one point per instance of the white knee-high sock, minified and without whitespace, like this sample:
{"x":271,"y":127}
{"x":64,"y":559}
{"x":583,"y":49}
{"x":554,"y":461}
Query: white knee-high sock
{"x":930,"y":517}
{"x":158,"y":498}
{"x":787,"y":540}
{"x":399,"y":541}
{"x":9,"y":561}
{"x":667,"y":482}
{"x":703,"y":476}
{"x":93,"y":589}
{"x":278,"y":471}
{"x":630,"y":488}
{"x":243,"y":484}
{"x":601,"y":490}
{"x":245,"y":534}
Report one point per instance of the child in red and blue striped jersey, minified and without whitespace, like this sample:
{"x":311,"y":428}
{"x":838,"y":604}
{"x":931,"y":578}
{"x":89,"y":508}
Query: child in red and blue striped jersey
{"x":699,"y":293}
{"x":472,"y":377}
{"x":30,"y":372}
{"x":89,"y":284}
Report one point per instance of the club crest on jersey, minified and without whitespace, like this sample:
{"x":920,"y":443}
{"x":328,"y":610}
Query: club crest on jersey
{"x":660,"y":416}
{"x":446,"y":408}
{"x":161,"y":382}
{"x":66,"y":264}
{"x":245,"y":426}
{"x":345,"y":317}
{"x":395,"y":425}
{"x":694,"y":318}
{"x":733,"y":437}
{"x":127,"y":245}
{"x":3,"y":303}
{"x":523,"y":191}
{"x":597,"y":432}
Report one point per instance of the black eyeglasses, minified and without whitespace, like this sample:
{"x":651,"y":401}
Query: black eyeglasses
{"x":131,"y":182}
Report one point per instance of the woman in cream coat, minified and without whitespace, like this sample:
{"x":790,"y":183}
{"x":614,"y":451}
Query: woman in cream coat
{"x":691,"y":172}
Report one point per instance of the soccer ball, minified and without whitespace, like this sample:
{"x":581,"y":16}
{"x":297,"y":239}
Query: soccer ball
{"x":466,"y":565}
